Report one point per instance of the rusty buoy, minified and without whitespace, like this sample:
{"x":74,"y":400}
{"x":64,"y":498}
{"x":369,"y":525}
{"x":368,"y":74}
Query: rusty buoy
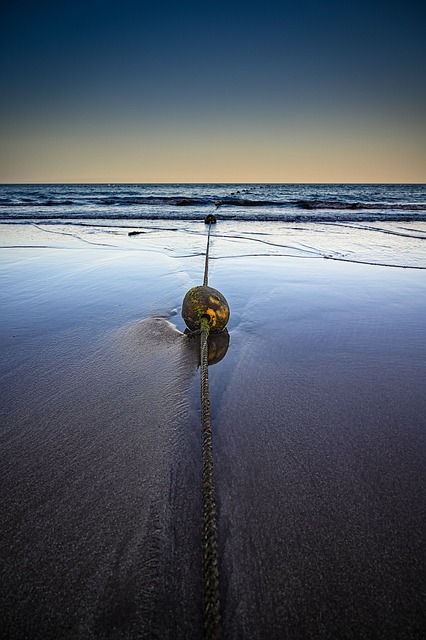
{"x":203,"y":301}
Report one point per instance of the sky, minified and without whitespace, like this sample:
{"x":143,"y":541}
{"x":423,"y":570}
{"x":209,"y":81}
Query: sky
{"x":264,"y":91}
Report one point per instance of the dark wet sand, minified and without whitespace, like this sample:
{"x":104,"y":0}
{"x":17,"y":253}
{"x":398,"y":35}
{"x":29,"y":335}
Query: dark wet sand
{"x":319,"y":440}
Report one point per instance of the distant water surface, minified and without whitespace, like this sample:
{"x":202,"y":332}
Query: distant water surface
{"x":261,"y":202}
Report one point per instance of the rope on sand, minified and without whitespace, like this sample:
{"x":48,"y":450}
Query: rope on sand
{"x":204,"y":310}
{"x":212,"y":619}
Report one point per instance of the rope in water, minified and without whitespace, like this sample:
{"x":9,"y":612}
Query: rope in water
{"x":206,"y":264}
{"x":212,"y":620}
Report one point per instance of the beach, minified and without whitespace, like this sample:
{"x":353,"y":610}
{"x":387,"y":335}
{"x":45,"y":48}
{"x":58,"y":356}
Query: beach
{"x":318,"y":417}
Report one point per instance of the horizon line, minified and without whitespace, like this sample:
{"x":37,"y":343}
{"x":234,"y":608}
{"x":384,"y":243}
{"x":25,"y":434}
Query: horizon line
{"x":113,"y":183}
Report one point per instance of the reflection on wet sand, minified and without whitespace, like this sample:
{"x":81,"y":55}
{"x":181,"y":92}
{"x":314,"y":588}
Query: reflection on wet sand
{"x":218,"y":344}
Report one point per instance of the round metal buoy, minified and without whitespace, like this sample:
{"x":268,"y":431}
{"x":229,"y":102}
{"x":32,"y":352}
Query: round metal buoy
{"x":210,"y":219}
{"x":205,"y":302}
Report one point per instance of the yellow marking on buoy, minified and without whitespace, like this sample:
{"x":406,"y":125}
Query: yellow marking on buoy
{"x":212,"y":315}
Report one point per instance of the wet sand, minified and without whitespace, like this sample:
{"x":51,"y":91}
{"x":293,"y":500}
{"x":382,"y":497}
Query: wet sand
{"x":319,"y":422}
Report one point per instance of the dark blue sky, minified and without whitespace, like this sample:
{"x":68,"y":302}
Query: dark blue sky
{"x":117,"y":91}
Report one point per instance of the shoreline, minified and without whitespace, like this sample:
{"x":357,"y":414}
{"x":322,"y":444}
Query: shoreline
{"x":382,"y":244}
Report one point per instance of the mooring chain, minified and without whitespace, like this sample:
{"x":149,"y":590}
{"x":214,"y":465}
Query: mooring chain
{"x":205,"y":310}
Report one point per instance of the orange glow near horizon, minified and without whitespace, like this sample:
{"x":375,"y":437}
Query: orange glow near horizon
{"x":244,"y":153}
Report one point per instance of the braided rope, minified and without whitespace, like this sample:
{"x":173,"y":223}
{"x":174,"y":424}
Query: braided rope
{"x":206,"y":264}
{"x":210,"y":564}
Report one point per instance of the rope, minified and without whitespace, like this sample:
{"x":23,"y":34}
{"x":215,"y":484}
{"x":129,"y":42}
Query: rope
{"x":206,"y":264}
{"x":210,"y":563}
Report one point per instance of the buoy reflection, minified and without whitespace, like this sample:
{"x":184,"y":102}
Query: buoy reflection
{"x":218,"y":344}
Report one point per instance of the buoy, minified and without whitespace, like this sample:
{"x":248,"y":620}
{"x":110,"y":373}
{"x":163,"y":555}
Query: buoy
{"x":210,"y":219}
{"x":218,"y":203}
{"x":205,"y":302}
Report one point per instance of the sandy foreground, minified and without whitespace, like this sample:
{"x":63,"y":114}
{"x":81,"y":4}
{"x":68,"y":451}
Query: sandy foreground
{"x":319,"y":417}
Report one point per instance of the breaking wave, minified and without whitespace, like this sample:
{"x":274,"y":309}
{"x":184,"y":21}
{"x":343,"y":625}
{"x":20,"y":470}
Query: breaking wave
{"x":156,"y":201}
{"x":259,"y":202}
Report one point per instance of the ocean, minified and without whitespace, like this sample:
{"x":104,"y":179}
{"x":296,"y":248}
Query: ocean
{"x":69,"y":203}
{"x":380,"y":224}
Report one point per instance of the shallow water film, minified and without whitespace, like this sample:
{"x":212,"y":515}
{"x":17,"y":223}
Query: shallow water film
{"x":318,"y":414}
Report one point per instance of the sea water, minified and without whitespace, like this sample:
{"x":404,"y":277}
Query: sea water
{"x":258,"y":202}
{"x":383,"y":224}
